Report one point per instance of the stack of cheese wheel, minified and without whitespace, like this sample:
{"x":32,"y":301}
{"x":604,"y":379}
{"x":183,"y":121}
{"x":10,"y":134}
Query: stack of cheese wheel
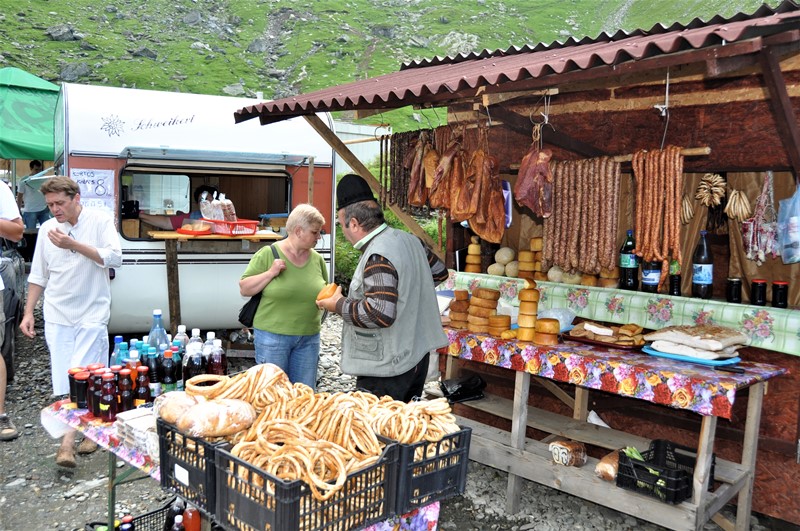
{"x":482,"y":306}
{"x":609,"y":278}
{"x":536,"y":249}
{"x":547,"y":330}
{"x":499,"y":324}
{"x":458,"y":309}
{"x":528,"y":308}
{"x":526,"y":264}
{"x":473,"y":257}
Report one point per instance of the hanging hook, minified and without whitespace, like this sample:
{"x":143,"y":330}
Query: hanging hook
{"x":664,"y":110}
{"x":430,"y":126}
{"x":545,"y":114}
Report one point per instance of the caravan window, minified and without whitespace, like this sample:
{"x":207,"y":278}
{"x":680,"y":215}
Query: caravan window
{"x":159,"y":193}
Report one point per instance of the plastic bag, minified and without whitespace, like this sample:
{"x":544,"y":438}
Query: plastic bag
{"x":463,"y":389}
{"x":206,"y":209}
{"x":789,"y":229}
{"x":565,"y":317}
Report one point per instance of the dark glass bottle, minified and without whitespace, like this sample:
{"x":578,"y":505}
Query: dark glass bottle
{"x":142,"y":387}
{"x":628,"y":264}
{"x":177,"y":357}
{"x":97,"y":391}
{"x":780,"y":294}
{"x":81,"y":388}
{"x":675,"y":278}
{"x":702,"y":269}
{"x":651,"y":276}
{"x":168,"y":382}
{"x":125,"y":390}
{"x":108,"y":400}
{"x":152,"y":365}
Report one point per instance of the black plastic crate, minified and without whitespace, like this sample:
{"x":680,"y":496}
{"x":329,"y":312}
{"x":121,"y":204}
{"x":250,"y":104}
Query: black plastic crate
{"x":152,"y":521}
{"x":250,"y":499}
{"x":187,"y":466}
{"x":432,"y":471}
{"x":666,"y":473}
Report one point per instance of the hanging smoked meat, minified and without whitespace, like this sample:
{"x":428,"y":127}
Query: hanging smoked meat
{"x":489,"y":221}
{"x":440,"y":189}
{"x":417,"y":192}
{"x":534,"y":188}
{"x":456,"y":180}
{"x":467,"y":197}
{"x":430,"y":162}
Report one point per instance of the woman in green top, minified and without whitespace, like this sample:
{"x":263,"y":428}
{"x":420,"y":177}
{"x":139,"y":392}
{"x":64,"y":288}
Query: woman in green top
{"x":287,"y":322}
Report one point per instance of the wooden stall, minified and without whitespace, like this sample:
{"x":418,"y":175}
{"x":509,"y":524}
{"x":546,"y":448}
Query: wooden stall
{"x":726,"y":92}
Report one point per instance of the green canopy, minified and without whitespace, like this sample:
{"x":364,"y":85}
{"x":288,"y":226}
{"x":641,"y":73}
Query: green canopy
{"x":27,"y":106}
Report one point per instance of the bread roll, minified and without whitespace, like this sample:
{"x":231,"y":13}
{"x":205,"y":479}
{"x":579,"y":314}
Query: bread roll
{"x":568,"y":453}
{"x":461,"y":294}
{"x":526,"y":321}
{"x":548,"y":325}
{"x":458,"y":316}
{"x":459,"y":306}
{"x":524,"y":334}
{"x":486,"y":293}
{"x":545,"y":340}
{"x":606,"y":469}
{"x":529,"y":295}
{"x":528,"y":308}
{"x":503,"y":321}
{"x":217,"y":418}
{"x":481,"y":312}
{"x":172,"y":405}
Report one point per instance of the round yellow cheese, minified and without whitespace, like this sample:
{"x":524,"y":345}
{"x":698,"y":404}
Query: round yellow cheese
{"x":548,"y":325}
{"x":529,"y":295}
{"x":526,"y":321}
{"x":528,"y":308}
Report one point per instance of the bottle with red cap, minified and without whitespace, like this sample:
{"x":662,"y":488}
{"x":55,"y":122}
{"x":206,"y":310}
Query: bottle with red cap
{"x":780,"y":294}
{"x":108,"y":400}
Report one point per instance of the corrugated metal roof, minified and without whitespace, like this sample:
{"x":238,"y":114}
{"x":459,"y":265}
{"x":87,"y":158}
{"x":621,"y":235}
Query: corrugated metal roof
{"x":441,"y":78}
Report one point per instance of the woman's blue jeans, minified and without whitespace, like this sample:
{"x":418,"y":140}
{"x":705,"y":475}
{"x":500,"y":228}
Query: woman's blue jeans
{"x":297,"y":356}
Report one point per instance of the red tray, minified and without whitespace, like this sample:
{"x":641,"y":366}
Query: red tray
{"x":567,"y":337}
{"x":193,"y":232}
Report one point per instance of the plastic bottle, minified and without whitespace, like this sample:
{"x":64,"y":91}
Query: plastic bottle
{"x":152,"y":365}
{"x":628,"y":264}
{"x":108,"y":398}
{"x":208,"y":346}
{"x":178,"y":524}
{"x":142,"y":395}
{"x":177,"y":357}
{"x":125,"y":390}
{"x":176,"y":509}
{"x":122,"y":355}
{"x":169,"y":382}
{"x":158,"y":334}
{"x":195,"y":338}
{"x":702,"y":269}
{"x":191,"y":518}
{"x":194,"y":363}
{"x":651,"y":276}
{"x":133,"y":363}
{"x":114,"y":359}
{"x":217,"y":360}
{"x":181,"y":336}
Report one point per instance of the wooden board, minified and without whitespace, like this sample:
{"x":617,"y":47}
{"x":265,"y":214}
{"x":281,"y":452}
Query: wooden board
{"x":173,"y":235}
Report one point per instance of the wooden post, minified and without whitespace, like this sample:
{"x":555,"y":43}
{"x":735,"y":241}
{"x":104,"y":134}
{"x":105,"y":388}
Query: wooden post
{"x":325,"y":132}
{"x":310,"y":181}
{"x":173,"y":284}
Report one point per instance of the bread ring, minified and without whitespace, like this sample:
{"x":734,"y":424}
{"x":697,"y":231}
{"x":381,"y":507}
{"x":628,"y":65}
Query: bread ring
{"x":194,"y":387}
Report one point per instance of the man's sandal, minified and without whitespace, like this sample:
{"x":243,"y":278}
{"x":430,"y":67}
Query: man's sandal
{"x":7,"y":430}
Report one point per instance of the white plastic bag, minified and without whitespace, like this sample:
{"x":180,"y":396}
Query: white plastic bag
{"x":789,"y":229}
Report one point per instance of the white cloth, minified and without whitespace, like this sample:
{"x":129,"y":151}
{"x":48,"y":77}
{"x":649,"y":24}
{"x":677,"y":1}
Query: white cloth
{"x":32,"y":199}
{"x":77,"y":290}
{"x":73,"y":346}
{"x":8,"y":209}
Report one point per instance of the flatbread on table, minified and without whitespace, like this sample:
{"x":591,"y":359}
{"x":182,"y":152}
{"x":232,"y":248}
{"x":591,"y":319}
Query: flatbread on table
{"x":704,"y":337}
{"x":669,"y":347}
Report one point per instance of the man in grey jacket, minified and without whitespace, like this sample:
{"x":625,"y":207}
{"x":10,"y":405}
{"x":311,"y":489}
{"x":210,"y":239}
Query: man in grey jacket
{"x":391,"y":317}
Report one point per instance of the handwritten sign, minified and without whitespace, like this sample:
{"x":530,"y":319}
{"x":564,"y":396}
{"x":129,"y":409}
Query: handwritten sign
{"x":97,"y":187}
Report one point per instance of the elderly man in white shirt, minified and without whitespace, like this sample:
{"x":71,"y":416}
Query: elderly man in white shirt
{"x":74,"y":251}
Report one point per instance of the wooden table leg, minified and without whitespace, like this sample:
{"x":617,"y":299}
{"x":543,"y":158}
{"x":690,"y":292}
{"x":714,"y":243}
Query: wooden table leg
{"x":750,"y":446}
{"x":519,"y":424}
{"x":173,"y":284}
{"x":581,"y":409}
{"x":702,"y":468}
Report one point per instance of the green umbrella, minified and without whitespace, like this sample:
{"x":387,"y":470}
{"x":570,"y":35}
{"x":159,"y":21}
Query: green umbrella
{"x":27,"y":108}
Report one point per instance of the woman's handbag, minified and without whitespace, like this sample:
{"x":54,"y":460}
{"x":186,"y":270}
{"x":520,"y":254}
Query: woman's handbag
{"x":248,"y":311}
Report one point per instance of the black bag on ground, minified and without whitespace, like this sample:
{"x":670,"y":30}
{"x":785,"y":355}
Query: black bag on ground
{"x":248,"y":311}
{"x":463,"y":389}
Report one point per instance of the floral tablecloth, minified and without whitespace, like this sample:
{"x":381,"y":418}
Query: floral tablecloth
{"x":676,"y":384}
{"x":422,"y":519}
{"x":769,"y":328}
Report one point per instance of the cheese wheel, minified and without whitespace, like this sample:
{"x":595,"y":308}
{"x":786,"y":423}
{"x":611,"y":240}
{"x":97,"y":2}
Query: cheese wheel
{"x":496,"y":331}
{"x":608,"y":282}
{"x":478,"y":329}
{"x":459,"y":306}
{"x":481,"y":312}
{"x":474,"y":248}
{"x":475,"y":319}
{"x":486,"y":293}
{"x":547,"y":325}
{"x":537,"y":266}
{"x":541,"y":338}
{"x":588,"y":280}
{"x":528,"y":307}
{"x":610,"y":273}
{"x":461,"y":294}
{"x":526,"y":321}
{"x":483,"y":303}
{"x":539,"y":275}
{"x":459,"y":325}
{"x":537,"y":256}
{"x":527,"y":275}
{"x":529,"y":295}
{"x":525,"y":334}
{"x":472,"y":268}
{"x":473,"y":259}
{"x":525,"y":256}
{"x":458,"y":316}
{"x":537,"y":244}
{"x":529,"y":284}
{"x":500,"y":321}
{"x":526,"y":266}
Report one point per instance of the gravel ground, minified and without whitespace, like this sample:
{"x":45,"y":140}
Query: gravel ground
{"x":37,"y":494}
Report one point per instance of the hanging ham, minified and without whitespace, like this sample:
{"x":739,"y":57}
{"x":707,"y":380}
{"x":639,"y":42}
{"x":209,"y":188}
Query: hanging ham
{"x":534,"y":188}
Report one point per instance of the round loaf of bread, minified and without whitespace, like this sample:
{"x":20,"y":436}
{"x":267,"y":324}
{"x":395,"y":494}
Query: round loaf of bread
{"x":541,"y":338}
{"x":459,"y":306}
{"x":526,"y":321}
{"x":458,"y":316}
{"x":486,"y":293}
{"x":500,"y":321}
{"x":474,"y":319}
{"x":525,"y":334}
{"x":548,"y":325}
{"x":481,"y":312}
{"x":219,"y":417}
{"x":529,"y":295}
{"x":461,"y":294}
{"x":528,"y":308}
{"x":478,"y":328}
{"x":483,"y":303}
{"x":170,"y":406}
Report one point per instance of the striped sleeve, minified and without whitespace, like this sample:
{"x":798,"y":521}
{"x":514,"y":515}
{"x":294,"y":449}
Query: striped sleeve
{"x":378,"y":308}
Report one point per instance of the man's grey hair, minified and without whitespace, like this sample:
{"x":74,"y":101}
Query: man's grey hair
{"x":369,"y":214}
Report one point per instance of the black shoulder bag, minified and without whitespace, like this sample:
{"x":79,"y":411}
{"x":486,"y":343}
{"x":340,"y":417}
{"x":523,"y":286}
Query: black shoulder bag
{"x":248,"y":311}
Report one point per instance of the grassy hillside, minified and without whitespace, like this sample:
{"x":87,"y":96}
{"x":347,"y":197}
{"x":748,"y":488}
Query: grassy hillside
{"x":281,"y":47}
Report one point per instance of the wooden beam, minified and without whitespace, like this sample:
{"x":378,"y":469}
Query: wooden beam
{"x":325,"y":132}
{"x":785,"y":119}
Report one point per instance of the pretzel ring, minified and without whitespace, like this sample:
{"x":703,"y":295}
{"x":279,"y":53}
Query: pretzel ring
{"x":193,"y":386}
